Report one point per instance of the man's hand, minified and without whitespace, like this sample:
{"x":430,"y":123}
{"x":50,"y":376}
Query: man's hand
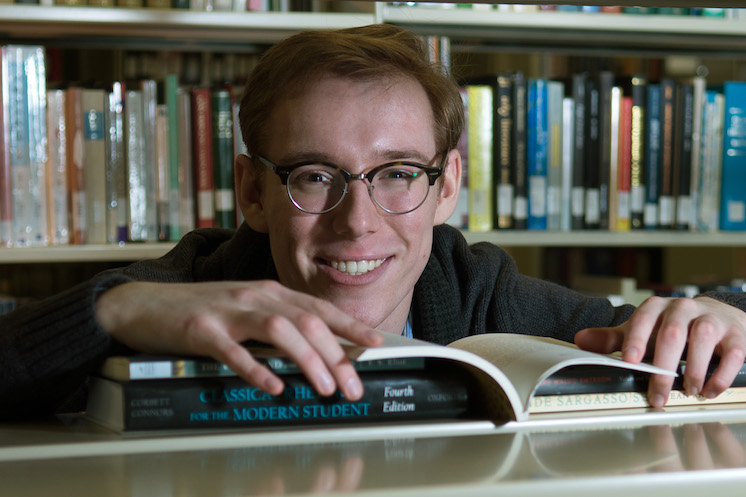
{"x":671,"y":329}
{"x":212,"y":319}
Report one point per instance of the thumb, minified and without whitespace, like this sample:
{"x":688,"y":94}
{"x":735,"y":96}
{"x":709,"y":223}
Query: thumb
{"x":600,"y":340}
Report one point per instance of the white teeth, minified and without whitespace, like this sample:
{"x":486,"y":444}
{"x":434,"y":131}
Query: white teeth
{"x":356,"y":268}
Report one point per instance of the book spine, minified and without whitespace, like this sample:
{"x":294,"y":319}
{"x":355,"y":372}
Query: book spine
{"x":186,"y":165}
{"x":605,"y":137}
{"x":6,"y":199}
{"x":163,"y":173}
{"x":624,"y":171}
{"x":578,"y":168}
{"x":683,"y":156}
{"x":699,"y":87}
{"x":592,"y":206}
{"x":708,"y":212}
{"x":615,"y":102}
{"x":149,"y":92}
{"x":568,"y":161}
{"x":140,"y":226}
{"x":116,"y":170}
{"x":171,"y":92}
{"x":57,"y":190}
{"x":733,"y":177}
{"x":94,"y":164}
{"x":555,"y":95}
{"x":504,"y":191}
{"x":652,"y":155}
{"x":480,"y":157}
{"x":518,"y":153}
{"x":666,"y":198}
{"x":230,"y":402}
{"x":222,"y":134}
{"x":203,"y":158}
{"x":637,"y":152}
{"x":75,"y":166}
{"x":536,"y":120}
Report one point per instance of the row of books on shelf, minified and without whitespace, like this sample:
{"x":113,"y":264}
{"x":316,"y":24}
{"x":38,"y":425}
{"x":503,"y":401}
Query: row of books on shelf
{"x":730,"y":13}
{"x":603,"y":151}
{"x":404,"y":380}
{"x":141,"y":161}
{"x":199,"y":5}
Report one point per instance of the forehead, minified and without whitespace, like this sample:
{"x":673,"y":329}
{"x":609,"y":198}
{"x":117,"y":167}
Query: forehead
{"x":333,"y":113}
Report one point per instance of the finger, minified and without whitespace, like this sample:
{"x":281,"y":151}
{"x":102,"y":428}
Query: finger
{"x":701,"y":346}
{"x":697,"y":449}
{"x":640,"y":328}
{"x":731,"y":361}
{"x":669,"y":346}
{"x":600,"y":340}
{"x":730,"y":452}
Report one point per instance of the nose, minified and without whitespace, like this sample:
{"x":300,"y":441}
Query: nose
{"x":357,"y":215}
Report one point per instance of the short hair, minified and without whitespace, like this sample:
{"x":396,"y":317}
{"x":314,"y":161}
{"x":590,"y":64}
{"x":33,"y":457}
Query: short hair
{"x":371,"y":52}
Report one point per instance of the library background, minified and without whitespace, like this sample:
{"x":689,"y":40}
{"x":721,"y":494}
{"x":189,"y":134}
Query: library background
{"x":605,"y":146}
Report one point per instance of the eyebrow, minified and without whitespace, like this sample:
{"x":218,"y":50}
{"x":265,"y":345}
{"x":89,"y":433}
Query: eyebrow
{"x":386,"y":156}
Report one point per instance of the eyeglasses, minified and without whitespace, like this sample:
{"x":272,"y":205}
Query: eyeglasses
{"x":318,"y":187}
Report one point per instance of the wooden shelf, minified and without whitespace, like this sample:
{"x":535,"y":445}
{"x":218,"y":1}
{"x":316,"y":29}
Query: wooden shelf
{"x":509,"y":238}
{"x":83,"y":253}
{"x":101,"y":26}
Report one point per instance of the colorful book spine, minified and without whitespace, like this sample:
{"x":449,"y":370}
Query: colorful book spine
{"x":229,"y":402}
{"x":94,"y":164}
{"x":536,"y":120}
{"x":624,"y":167}
{"x":223,"y":156}
{"x":75,"y":165}
{"x":480,"y":137}
{"x":733,"y":177}
{"x":203,"y":157}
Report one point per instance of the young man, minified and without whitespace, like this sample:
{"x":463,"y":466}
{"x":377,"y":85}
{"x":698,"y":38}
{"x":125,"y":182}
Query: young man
{"x":353,"y":170}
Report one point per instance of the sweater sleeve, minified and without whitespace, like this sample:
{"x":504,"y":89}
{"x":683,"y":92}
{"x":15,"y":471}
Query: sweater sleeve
{"x":48,"y":347}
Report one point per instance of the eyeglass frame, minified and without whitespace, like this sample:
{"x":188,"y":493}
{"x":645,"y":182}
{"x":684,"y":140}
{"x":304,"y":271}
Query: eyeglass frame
{"x":284,"y":172}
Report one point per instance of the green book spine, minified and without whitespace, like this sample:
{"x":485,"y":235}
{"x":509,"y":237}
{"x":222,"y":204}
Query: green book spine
{"x":222,"y":133}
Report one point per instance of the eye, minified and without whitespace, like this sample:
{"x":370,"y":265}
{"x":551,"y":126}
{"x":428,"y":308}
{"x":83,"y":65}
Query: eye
{"x":400,"y":172}
{"x":309,"y":175}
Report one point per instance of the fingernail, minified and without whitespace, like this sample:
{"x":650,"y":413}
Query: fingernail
{"x":354,"y":389}
{"x":326,"y":384}
{"x":630,"y":353}
{"x":708,"y":395}
{"x":656,"y":400}
{"x":273,"y":385}
{"x":692,"y":390}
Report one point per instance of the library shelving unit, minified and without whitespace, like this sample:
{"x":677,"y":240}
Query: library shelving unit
{"x":470,"y":30}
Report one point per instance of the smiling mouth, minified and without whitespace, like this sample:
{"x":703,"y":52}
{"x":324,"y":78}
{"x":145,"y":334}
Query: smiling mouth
{"x":356,"y":268}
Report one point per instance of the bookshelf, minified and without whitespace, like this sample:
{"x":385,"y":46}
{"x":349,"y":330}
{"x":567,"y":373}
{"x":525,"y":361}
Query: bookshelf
{"x":472,"y":32}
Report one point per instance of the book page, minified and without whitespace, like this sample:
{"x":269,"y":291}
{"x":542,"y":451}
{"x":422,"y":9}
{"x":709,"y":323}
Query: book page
{"x":529,"y":360}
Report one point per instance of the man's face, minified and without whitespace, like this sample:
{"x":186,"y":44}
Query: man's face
{"x":357,"y":126}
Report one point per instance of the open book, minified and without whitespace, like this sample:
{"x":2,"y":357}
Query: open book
{"x":506,"y":369}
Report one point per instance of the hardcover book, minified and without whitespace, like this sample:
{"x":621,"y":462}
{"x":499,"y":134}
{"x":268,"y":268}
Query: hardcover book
{"x":733,"y":177}
{"x":491,"y":376}
{"x":480,"y":138}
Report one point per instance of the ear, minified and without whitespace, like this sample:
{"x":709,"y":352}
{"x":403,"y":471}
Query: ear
{"x":248,"y":191}
{"x":450,"y":188}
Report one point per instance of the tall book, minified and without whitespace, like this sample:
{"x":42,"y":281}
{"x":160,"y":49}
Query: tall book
{"x":171,"y":99}
{"x":699,"y":87}
{"x":6,"y":203}
{"x":223,"y":156}
{"x":605,"y":153}
{"x":536,"y":153}
{"x":163,"y":172}
{"x":480,"y":138}
{"x":615,"y":112}
{"x":733,"y":178}
{"x":624,"y":166}
{"x":203,"y":157}
{"x":568,"y":161}
{"x":187,"y":214}
{"x":637,"y":135}
{"x":683,"y":150}
{"x":56,"y":173}
{"x":711,"y":159}
{"x":116,"y":166}
{"x":141,"y":176}
{"x":555,"y":96}
{"x":75,"y":165}
{"x":578,"y":168}
{"x":503,"y":115}
{"x":666,"y":197}
{"x":94,"y":163}
{"x":149,"y":93}
{"x":28,"y":143}
{"x":518,"y":152}
{"x":592,"y":213}
{"x":652,"y":155}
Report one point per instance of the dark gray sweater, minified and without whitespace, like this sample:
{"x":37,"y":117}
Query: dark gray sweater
{"x":48,"y":348}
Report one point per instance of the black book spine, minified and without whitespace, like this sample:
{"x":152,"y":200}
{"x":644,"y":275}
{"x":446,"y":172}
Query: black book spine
{"x":605,"y":86}
{"x":683,"y":156}
{"x":504,"y":192}
{"x":518,"y":153}
{"x":230,"y":402}
{"x":592,"y":165}
{"x":666,"y":199}
{"x":578,"y":167}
